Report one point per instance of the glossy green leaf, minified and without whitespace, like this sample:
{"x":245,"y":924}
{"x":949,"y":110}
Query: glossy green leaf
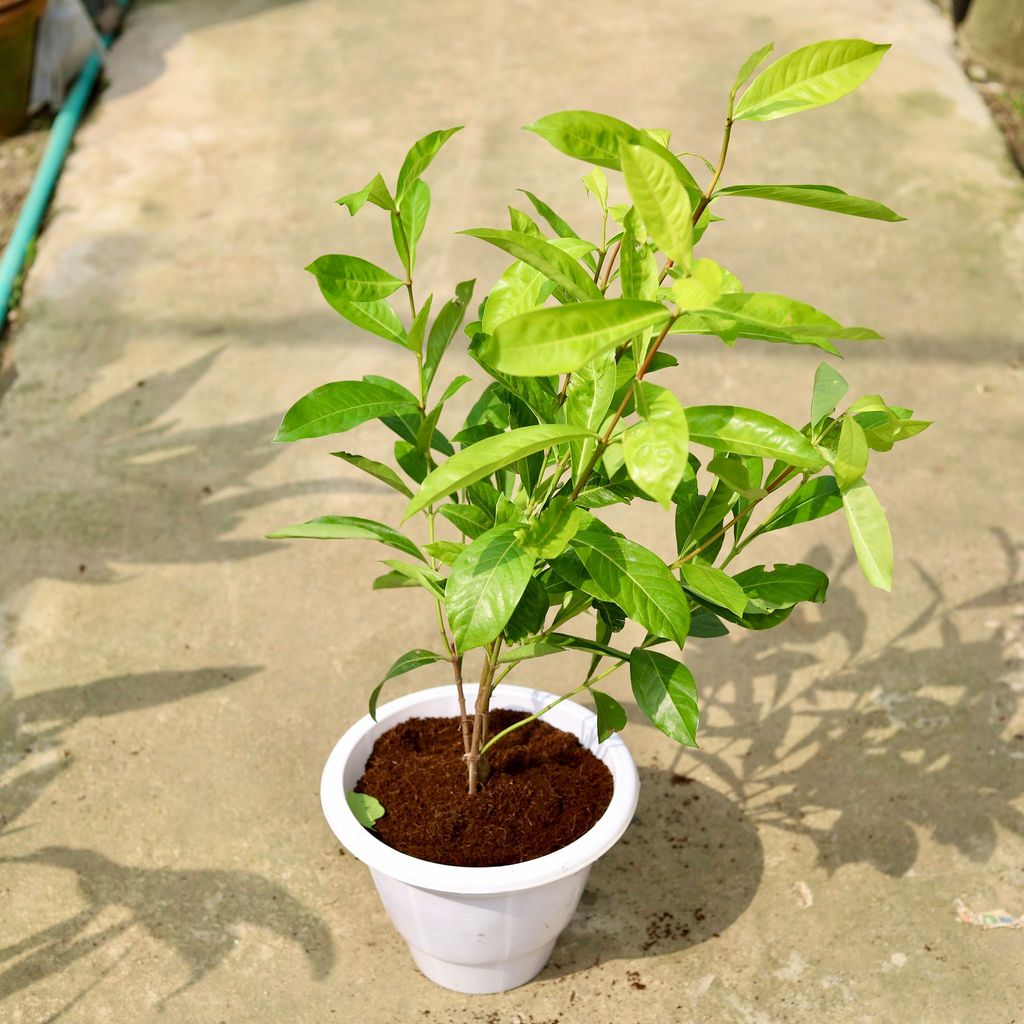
{"x":704,"y":624}
{"x":611,"y":715}
{"x":337,"y":407}
{"x":818,"y":197}
{"x":375,"y":191}
{"x":519,"y":221}
{"x":748,"y":67}
{"x":555,"y":643}
{"x":597,"y":138}
{"x":408,"y":662}
{"x":561,"y":339}
{"x":782,"y":586}
{"x":829,"y":388}
{"x":703,"y":287}
{"x":444,"y":327}
{"x":349,"y":528}
{"x":419,"y":158}
{"x":661,"y":201}
{"x":635,"y":579}
{"x":810,"y":77}
{"x":851,"y":454}
{"x":468,"y":519}
{"x":444,"y":551}
{"x":713,"y":585}
{"x":352,"y":278}
{"x":656,"y":448}
{"x":407,"y":226}
{"x":549,"y":535}
{"x":560,"y":226}
{"x":485,"y":585}
{"x":730,"y":428}
{"x":742,"y":475}
{"x":366,"y":809}
{"x":638,"y":269}
{"x":418,"y":327}
{"x":528,"y":616}
{"x":666,"y":693}
{"x":544,"y":256}
{"x":483,"y":458}
{"x":421,"y":575}
{"x":377,"y":470}
{"x":376,"y":317}
{"x":596,"y":183}
{"x":869,"y":531}
{"x":519,"y":289}
{"x":813,"y":499}
{"x":587,"y":400}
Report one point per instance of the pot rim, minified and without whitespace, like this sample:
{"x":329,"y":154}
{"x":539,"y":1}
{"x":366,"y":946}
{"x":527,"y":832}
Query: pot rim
{"x":423,"y":874}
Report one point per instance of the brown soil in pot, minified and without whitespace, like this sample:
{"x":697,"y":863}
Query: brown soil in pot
{"x":544,"y":792}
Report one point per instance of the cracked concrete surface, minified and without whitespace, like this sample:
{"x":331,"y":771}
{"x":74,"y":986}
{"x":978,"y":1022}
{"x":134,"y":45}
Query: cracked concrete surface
{"x":170,"y":683}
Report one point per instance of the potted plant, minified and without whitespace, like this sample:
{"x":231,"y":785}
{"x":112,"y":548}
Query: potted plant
{"x":514,"y":555}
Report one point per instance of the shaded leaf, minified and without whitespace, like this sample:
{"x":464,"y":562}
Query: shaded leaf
{"x":666,"y":693}
{"x":406,"y":663}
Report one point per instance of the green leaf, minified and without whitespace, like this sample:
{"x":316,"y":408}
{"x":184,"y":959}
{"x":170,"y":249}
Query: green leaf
{"x":656,"y":449}
{"x":730,"y":428}
{"x":483,"y":458}
{"x":635,"y":579}
{"x":376,"y":469}
{"x":869,"y":531}
{"x":588,"y":136}
{"x":638,"y":269}
{"x":661,"y":201}
{"x":555,"y":643}
{"x":366,"y":809}
{"x":813,"y":499}
{"x":485,"y":585}
{"x":529,"y":614}
{"x":376,"y":317}
{"x":851,"y":454}
{"x":704,"y":624}
{"x":544,"y":256}
{"x":352,"y":278}
{"x":596,"y":183}
{"x":810,"y":77}
{"x":421,"y":575}
{"x":349,"y":528}
{"x":597,"y":138}
{"x":549,"y":535}
{"x":375,"y":191}
{"x":468,"y":519}
{"x":419,"y":158}
{"x":444,"y":328}
{"x":741,"y":475}
{"x":587,"y":400}
{"x":337,"y":407}
{"x":561,"y":339}
{"x":819,"y":197}
{"x":445,"y":551}
{"x":666,"y":693}
{"x":406,"y":663}
{"x":766,"y":317}
{"x":782,"y":586}
{"x":558,"y":225}
{"x":611,"y":715}
{"x":418,"y":327}
{"x":407,"y":226}
{"x":713,"y":585}
{"x":829,"y":388}
{"x":519,"y":221}
{"x":703,"y":288}
{"x":748,"y":66}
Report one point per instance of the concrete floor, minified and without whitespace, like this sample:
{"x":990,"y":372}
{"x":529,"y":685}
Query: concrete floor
{"x":170,"y":682}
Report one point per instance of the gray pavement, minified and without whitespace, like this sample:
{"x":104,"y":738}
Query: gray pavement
{"x":170,"y":683}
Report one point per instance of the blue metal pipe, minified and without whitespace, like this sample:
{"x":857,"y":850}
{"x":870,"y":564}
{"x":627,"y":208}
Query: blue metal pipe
{"x":38,"y":198}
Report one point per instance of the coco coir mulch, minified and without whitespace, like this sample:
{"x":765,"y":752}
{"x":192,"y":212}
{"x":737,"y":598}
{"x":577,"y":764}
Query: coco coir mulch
{"x":544,"y":791}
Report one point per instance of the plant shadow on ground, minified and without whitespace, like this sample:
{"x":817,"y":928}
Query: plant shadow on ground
{"x":918,"y":736}
{"x":195,"y":912}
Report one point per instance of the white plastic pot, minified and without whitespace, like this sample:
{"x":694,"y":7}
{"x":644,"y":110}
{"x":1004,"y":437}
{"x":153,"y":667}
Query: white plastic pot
{"x":478,"y":930}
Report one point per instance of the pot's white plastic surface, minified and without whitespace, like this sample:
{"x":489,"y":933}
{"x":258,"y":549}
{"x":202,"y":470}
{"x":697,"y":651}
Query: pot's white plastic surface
{"x":478,"y":930}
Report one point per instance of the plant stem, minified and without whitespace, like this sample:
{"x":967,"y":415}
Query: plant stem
{"x":610,"y":265}
{"x":544,"y":710}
